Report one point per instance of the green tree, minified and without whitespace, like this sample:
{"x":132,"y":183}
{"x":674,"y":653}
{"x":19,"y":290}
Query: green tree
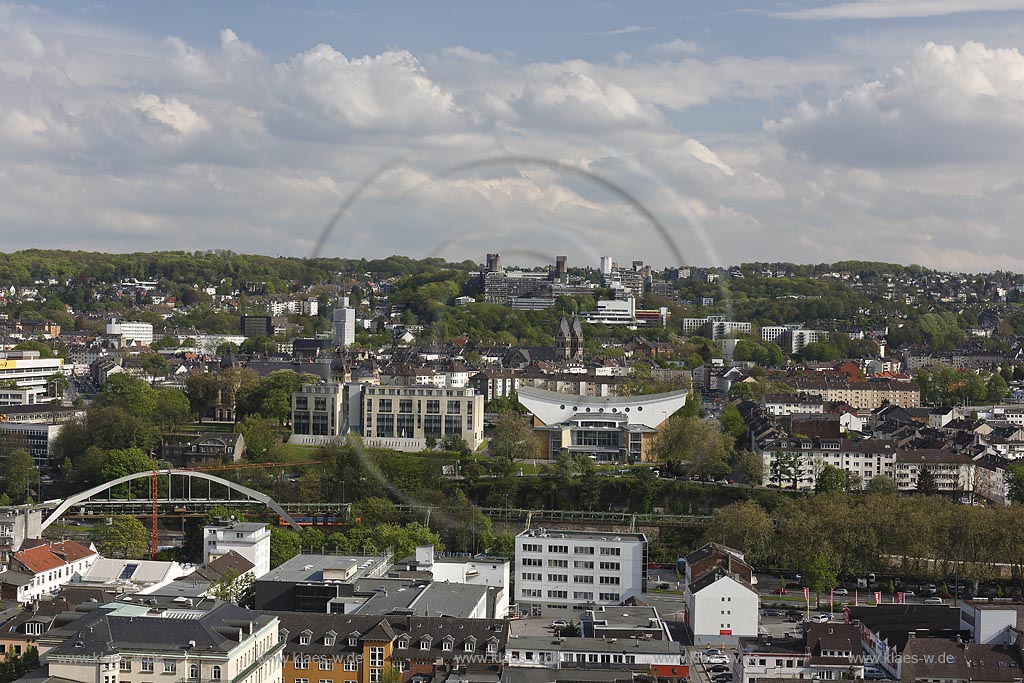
{"x":1015,"y":483}
{"x":130,"y":393}
{"x":241,"y":590}
{"x":750,"y":466}
{"x":692,"y":407}
{"x":926,"y":483}
{"x":743,"y":391}
{"x":745,"y":526}
{"x":820,"y":574}
{"x":513,"y":439}
{"x":830,"y":480}
{"x":374,"y":511}
{"x":284,"y":545}
{"x":732,"y":422}
{"x":124,"y":461}
{"x":124,"y":537}
{"x":172,"y":408}
{"x":880,"y":484}
{"x":20,"y":474}
{"x":261,"y":435}
{"x":687,"y":439}
{"x":201,"y":390}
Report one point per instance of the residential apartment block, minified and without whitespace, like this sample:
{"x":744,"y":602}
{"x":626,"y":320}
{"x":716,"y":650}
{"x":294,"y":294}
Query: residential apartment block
{"x":715,"y":327}
{"x":720,"y":601}
{"x":249,"y":539}
{"x":420,"y":412}
{"x":562,"y":571}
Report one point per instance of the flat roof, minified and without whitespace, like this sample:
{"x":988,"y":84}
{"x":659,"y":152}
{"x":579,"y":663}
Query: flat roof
{"x":609,"y":536}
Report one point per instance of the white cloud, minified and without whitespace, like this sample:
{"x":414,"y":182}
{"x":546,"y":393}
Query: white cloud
{"x":945,"y":105}
{"x":898,"y":9}
{"x":676,"y":47}
{"x":119,"y":141}
{"x":172,"y":113}
{"x":621,"y":31}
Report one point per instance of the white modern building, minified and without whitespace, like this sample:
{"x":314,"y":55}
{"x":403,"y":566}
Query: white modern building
{"x":344,"y":324}
{"x":715,"y":326}
{"x":131,"y":331}
{"x":28,"y":370}
{"x":248,"y":539}
{"x":560,"y":572}
{"x":476,"y":570}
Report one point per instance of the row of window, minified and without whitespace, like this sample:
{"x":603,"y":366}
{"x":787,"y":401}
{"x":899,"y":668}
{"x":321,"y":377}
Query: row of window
{"x":148,"y":665}
{"x":564,"y":578}
{"x":564,"y":549}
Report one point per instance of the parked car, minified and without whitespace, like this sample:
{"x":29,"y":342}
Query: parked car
{"x":909,"y":593}
{"x":559,"y":623}
{"x":772,"y":613}
{"x":716,"y":659}
{"x":780,"y":591}
{"x":722,"y":678}
{"x":823,"y":617}
{"x":718,"y":668}
{"x":840,"y":591}
{"x":934,"y":601}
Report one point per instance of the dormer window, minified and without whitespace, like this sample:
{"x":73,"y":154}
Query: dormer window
{"x":403,"y":643}
{"x":492,"y":646}
{"x":305,"y":637}
{"x":353,"y":639}
{"x":447,"y":643}
{"x":425,"y":644}
{"x":470,"y":645}
{"x":329,"y":638}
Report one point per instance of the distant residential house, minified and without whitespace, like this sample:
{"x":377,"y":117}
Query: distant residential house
{"x":46,"y":567}
{"x":189,"y":450}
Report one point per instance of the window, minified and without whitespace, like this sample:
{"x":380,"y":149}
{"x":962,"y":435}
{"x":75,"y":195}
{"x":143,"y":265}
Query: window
{"x":454,"y":408}
{"x":533,"y":562}
{"x":405,"y":405}
{"x":215,"y":673}
{"x":583,"y":550}
{"x":583,"y":564}
{"x":611,"y":597}
{"x":304,"y":638}
{"x":610,"y":580}
{"x":384,"y":405}
{"x":170,"y":667}
{"x":353,"y":640}
{"x":302,"y":662}
{"x":351,"y":664}
{"x":147,"y":665}
{"x":469,"y":646}
{"x":193,"y":671}
{"x":126,"y":665}
{"x":531,"y":548}
{"x":558,"y":548}
{"x":492,"y":647}
{"x":612,"y":566}
{"x":582,"y":595}
{"x":611,"y":551}
{"x":403,"y":643}
{"x":558,"y":594}
{"x":326,"y":664}
{"x":561,"y":564}
{"x":583,"y":579}
{"x":446,"y":644}
{"x":400,"y":664}
{"x":433,"y":407}
{"x":376,"y":656}
{"x":424,"y":644}
{"x":558,"y":578}
{"x":532,"y":576}
{"x":301,"y":680}
{"x":329,"y":639}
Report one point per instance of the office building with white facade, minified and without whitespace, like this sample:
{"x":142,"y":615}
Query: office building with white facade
{"x":131,"y":332}
{"x":29,"y":371}
{"x":561,"y":572}
{"x":248,"y":539}
{"x":344,"y":324}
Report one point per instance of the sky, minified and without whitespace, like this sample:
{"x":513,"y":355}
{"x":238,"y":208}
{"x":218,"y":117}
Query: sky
{"x":707,"y":132}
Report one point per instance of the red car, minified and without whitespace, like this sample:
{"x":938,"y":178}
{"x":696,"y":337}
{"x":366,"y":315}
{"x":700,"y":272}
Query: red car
{"x":779,"y":591}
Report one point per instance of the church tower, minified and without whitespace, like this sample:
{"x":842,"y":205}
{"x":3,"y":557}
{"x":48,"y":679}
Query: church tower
{"x":563,"y":340}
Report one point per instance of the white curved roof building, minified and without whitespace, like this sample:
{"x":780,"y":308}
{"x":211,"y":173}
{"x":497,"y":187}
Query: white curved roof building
{"x":650,"y":410}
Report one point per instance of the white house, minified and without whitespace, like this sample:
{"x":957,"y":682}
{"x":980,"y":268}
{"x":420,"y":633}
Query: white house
{"x":248,"y":539}
{"x":44,"y":568}
{"x":478,"y":570}
{"x":664,"y":658}
{"x":720,"y":601}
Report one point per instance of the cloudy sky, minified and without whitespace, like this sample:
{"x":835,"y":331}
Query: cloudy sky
{"x":704,"y":131}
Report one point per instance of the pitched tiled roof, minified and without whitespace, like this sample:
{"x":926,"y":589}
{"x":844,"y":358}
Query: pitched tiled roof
{"x":38,"y":560}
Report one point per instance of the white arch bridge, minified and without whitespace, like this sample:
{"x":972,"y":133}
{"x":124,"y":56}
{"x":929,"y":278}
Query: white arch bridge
{"x":178,"y":493}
